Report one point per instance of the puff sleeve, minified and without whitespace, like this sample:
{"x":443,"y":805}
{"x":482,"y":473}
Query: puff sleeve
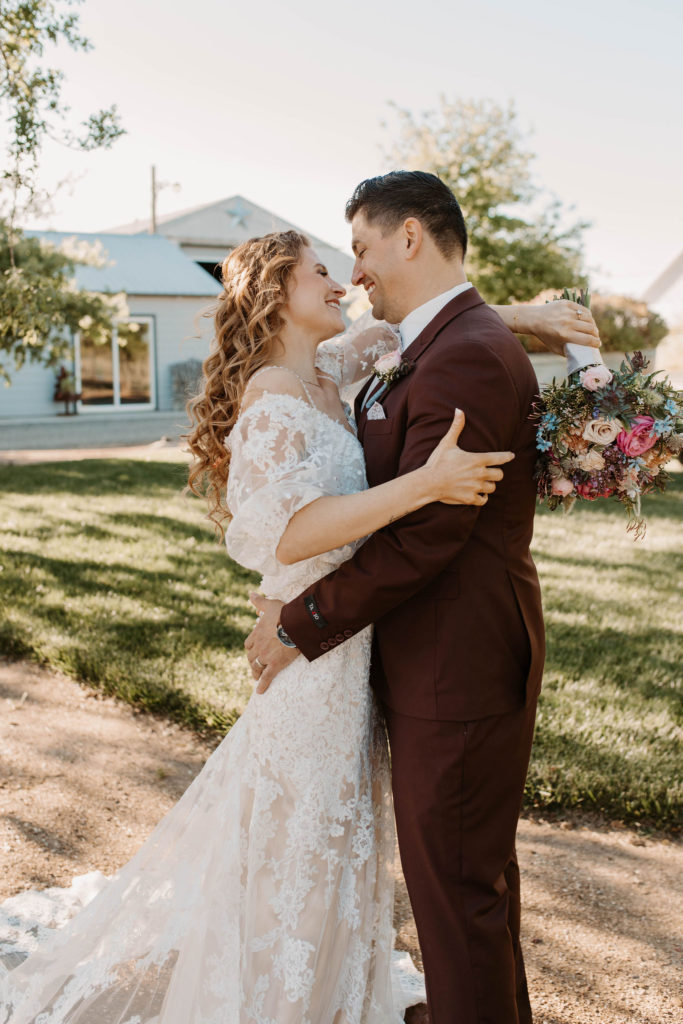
{"x":273,"y":475}
{"x":350,"y":357}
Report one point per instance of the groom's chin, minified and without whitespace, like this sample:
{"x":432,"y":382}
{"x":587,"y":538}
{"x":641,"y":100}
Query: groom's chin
{"x":377,"y":310}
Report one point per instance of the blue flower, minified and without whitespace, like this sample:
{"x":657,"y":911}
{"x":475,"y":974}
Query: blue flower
{"x":596,"y":414}
{"x":671,"y":406}
{"x":549,"y":421}
{"x":542,"y":443}
{"x":663,"y":427}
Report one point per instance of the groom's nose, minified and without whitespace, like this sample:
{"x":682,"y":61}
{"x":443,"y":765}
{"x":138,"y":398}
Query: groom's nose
{"x":357,"y":275}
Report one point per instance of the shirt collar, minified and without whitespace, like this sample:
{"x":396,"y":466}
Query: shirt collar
{"x":417,"y":319}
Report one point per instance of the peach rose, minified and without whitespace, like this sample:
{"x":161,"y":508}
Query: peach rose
{"x":601,"y":431}
{"x":590,"y":461}
{"x":562,"y":486}
{"x":574,"y":442}
{"x":595,"y":377}
{"x":640,"y":438}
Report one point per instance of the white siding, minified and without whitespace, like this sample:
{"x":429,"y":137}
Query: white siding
{"x":176,"y":326}
{"x":30,"y":393}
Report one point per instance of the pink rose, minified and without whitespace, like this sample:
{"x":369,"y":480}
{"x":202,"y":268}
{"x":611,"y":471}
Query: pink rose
{"x":389,"y":361}
{"x":639,"y":438}
{"x":562,"y":487}
{"x":595,"y":377}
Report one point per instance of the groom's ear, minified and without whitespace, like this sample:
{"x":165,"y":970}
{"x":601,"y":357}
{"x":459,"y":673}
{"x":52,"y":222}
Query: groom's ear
{"x":413,"y":235}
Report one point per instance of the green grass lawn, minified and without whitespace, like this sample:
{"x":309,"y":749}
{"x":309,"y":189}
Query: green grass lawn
{"x":111,"y":574}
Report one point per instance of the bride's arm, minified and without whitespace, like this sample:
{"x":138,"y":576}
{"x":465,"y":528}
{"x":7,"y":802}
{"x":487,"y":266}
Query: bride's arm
{"x":450,"y":475}
{"x":351,"y":356}
{"x":555,"y":324}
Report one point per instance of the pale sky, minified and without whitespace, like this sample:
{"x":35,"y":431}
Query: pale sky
{"x":283,"y":103}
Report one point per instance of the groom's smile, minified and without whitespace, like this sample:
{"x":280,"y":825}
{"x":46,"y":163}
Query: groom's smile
{"x":378,"y":267}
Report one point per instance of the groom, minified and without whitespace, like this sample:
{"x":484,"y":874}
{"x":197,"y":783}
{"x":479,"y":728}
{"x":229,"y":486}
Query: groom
{"x":454,"y":596}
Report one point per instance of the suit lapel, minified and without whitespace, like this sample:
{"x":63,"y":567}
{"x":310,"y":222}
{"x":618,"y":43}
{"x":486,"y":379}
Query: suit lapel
{"x":466,"y":300}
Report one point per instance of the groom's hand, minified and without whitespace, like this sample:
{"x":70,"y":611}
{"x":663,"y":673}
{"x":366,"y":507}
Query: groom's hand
{"x":267,"y":656}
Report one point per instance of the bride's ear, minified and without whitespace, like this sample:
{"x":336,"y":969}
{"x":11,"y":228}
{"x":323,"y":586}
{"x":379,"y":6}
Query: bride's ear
{"x":413,"y":234}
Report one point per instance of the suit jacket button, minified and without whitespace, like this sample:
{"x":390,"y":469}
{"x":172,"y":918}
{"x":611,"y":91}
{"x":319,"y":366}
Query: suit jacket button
{"x":340,"y":637}
{"x":324,"y":646}
{"x":332,"y":642}
{"x":348,"y":633}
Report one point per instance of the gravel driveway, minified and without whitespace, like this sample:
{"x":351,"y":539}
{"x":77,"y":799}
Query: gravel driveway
{"x":83,"y":780}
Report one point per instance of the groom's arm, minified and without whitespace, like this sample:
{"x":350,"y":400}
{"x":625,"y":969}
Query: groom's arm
{"x":403,"y":558}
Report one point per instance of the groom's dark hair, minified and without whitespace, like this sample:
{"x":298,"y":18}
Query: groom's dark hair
{"x":391,"y":198}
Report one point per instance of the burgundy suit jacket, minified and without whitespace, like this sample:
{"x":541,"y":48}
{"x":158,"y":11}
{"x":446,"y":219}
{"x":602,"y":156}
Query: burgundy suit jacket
{"x":452,"y":590}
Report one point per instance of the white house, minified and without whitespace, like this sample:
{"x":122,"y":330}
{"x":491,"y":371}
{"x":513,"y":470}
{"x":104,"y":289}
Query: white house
{"x":165,"y":292}
{"x":168,"y":279}
{"x":207,"y":233}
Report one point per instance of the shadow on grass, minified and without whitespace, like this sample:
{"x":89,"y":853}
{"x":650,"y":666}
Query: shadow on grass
{"x":96,"y":478}
{"x":571,"y":769}
{"x":664,"y":562}
{"x":646,"y":662}
{"x":201,"y":611}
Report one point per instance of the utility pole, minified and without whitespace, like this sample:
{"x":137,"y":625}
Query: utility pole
{"x":153,"y":226}
{"x":156,"y":189}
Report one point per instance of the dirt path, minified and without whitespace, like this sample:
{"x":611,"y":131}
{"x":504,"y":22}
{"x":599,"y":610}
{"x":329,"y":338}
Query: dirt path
{"x":83,"y":780}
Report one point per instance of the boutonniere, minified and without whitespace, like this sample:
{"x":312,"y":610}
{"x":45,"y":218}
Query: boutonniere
{"x":391,"y":367}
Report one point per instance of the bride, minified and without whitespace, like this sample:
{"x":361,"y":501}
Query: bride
{"x":265,"y":895}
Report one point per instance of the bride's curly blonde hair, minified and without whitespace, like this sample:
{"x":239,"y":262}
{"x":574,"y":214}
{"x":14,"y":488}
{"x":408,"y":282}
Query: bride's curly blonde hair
{"x":248,"y":319}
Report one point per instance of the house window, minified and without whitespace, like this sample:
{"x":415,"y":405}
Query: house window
{"x":117,"y":369}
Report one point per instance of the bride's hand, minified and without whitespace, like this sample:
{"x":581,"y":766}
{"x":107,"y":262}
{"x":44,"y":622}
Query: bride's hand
{"x":560,"y":323}
{"x":463,"y":478}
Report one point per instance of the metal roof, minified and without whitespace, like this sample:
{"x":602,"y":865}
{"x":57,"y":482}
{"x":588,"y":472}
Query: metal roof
{"x":136,"y":265}
{"x":228,"y":222}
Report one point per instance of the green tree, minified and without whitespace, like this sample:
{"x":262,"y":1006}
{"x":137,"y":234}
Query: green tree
{"x":476,"y":147}
{"x":41,"y":307}
{"x":626,"y":324}
{"x":39,"y":303}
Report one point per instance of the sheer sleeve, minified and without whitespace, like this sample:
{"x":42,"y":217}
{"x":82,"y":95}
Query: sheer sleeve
{"x":351,"y":356}
{"x":272,"y":475}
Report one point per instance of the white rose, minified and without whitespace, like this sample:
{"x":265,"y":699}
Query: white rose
{"x":601,"y":431}
{"x":590,"y":461}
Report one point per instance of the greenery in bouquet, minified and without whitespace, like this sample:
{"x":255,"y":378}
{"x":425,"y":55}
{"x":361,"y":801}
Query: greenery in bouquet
{"x":604,"y":434}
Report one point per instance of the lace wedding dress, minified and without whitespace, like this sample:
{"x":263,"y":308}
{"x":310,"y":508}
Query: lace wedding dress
{"x":265,"y":895}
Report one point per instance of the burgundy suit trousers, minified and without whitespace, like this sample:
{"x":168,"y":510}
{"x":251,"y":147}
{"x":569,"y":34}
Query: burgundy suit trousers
{"x":458,"y":790}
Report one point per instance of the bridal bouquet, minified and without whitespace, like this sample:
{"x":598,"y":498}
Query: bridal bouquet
{"x":602,"y":435}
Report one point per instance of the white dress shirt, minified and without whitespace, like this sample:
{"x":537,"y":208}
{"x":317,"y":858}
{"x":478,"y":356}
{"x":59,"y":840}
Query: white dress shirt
{"x":578,"y":356}
{"x":410,"y":327}
{"x":417,"y":319}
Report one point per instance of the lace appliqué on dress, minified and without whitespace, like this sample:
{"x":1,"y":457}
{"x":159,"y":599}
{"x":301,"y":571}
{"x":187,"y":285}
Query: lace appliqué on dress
{"x":265,"y":895}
